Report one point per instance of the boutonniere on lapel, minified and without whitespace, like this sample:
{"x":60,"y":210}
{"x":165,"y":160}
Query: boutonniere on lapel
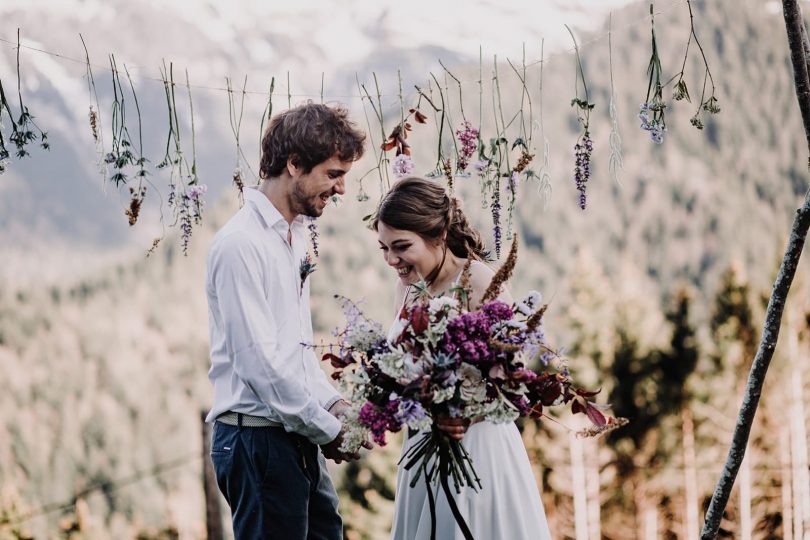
{"x":306,"y":268}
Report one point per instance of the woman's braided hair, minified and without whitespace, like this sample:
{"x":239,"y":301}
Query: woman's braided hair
{"x":423,"y":206}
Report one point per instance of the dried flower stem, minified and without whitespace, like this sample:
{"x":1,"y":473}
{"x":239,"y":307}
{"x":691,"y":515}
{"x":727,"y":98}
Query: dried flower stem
{"x":443,"y":112}
{"x":95,"y":114}
{"x":194,"y":179}
{"x":377,"y":155}
{"x":22,"y":134}
{"x":458,"y":83}
{"x":583,"y":148}
{"x":503,"y":274}
{"x":681,"y":91}
{"x":382,"y":160}
{"x":544,"y":187}
{"x":268,"y":109}
{"x":615,"y":162}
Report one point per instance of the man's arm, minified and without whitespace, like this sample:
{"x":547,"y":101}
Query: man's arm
{"x":251,"y":336}
{"x":326,"y":394}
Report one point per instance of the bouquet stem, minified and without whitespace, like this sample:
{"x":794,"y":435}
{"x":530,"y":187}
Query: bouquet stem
{"x":449,"y":458}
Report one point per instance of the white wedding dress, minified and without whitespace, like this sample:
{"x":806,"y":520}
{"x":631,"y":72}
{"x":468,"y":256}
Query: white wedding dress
{"x":506,"y":507}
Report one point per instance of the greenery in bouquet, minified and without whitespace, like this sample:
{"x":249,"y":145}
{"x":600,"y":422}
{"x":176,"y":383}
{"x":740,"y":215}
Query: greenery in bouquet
{"x":443,"y":359}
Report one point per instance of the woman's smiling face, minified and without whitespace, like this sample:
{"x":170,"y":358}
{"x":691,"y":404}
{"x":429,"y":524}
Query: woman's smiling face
{"x":409,"y":254}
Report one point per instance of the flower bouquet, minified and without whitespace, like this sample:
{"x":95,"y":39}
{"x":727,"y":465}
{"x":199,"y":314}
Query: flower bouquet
{"x":443,"y":359}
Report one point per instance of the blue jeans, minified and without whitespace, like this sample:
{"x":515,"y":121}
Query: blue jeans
{"x":276,"y":484}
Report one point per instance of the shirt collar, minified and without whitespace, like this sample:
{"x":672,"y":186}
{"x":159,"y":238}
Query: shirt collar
{"x":268,"y":212}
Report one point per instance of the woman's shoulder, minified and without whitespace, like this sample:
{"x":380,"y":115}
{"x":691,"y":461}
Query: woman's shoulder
{"x":480,"y":274}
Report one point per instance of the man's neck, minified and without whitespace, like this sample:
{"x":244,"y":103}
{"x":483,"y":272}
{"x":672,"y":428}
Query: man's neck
{"x":275,"y":189}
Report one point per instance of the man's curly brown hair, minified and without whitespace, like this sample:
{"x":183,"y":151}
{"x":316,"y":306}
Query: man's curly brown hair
{"x":309,"y":134}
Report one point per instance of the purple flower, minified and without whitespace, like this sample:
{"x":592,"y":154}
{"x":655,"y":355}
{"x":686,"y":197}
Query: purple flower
{"x":497,"y":311}
{"x":513,"y":179}
{"x":468,"y":137}
{"x":651,"y":115}
{"x":582,"y":168}
{"x":522,"y":403}
{"x":402,"y":166}
{"x":410,"y":411}
{"x":467,"y":335}
{"x":313,"y":235}
{"x":496,"y":217}
{"x":380,"y":419}
{"x":196,"y":193}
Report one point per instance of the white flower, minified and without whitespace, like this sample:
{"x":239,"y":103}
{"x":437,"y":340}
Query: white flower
{"x":355,"y":385}
{"x":440,"y":303}
{"x":503,"y":412}
{"x":363,"y":335}
{"x":355,"y":434}
{"x":524,"y":309}
{"x":472,"y":387}
{"x":413,"y":368}
{"x":533,"y":298}
{"x":443,"y":394}
{"x":391,"y":363}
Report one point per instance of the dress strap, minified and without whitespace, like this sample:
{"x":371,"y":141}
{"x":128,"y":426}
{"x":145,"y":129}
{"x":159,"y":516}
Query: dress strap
{"x":404,"y":300}
{"x":460,"y":274}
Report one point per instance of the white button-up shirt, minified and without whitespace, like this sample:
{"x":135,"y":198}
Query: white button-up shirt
{"x":259,"y":319}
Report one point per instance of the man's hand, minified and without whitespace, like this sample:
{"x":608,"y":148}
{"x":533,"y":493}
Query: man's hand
{"x":339,"y":408}
{"x":331,"y":450}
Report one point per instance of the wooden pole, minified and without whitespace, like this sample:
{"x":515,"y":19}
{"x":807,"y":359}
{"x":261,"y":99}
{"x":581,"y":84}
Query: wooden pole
{"x":690,"y":476}
{"x":801,"y":478}
{"x":593,"y":481}
{"x":796,"y":34}
{"x":579,"y":488}
{"x":787,"y":495}
{"x":746,"y":527}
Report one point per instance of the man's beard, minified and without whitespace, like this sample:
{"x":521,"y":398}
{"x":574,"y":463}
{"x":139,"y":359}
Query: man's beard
{"x":303,"y":204}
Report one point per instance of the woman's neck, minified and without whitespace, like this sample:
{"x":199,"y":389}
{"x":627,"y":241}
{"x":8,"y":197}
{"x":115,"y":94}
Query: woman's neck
{"x":447,"y":274}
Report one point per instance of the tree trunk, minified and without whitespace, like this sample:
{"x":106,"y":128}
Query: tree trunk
{"x":578,"y":488}
{"x":650,"y":521}
{"x":594,"y":484}
{"x":801,"y":479}
{"x":785,"y":475}
{"x":745,"y":499}
{"x":690,"y":477}
{"x":781,"y":287}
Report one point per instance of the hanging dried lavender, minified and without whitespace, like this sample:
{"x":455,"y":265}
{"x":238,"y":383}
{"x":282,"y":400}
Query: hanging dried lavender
{"x":651,"y":112}
{"x":583,"y":149}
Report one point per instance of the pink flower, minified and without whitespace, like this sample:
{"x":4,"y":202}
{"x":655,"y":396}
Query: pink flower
{"x":468,"y":137}
{"x":402,"y":166}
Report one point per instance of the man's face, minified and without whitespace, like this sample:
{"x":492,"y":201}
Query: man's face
{"x":311,"y":191}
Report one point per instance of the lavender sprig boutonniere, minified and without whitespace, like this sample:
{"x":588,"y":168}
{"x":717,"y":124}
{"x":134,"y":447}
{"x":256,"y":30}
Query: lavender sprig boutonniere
{"x":306,"y":268}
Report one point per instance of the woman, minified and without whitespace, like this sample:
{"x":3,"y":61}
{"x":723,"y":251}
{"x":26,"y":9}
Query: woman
{"x":423,"y":234}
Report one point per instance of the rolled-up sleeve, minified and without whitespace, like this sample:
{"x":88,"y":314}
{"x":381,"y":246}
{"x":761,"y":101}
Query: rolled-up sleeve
{"x":251,"y":340}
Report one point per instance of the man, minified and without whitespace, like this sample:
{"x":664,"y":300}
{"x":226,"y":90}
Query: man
{"x":276,"y":415}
